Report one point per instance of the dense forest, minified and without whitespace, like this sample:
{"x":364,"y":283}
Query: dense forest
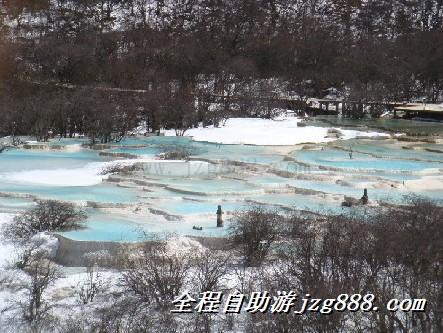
{"x":100,"y":67}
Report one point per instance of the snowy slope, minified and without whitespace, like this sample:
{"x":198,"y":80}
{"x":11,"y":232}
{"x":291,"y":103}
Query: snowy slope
{"x":266,"y":132}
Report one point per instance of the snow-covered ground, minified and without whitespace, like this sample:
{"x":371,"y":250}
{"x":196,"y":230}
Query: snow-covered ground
{"x":63,"y":294}
{"x":7,"y":250}
{"x":281,"y":131}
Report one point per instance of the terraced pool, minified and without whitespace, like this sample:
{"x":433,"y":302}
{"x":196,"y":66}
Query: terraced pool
{"x":171,"y":197}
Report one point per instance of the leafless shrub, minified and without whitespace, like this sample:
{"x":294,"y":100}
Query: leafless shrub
{"x":42,"y":273}
{"x":253,"y":232}
{"x":394,"y":253}
{"x":117,"y":168}
{"x":409,"y":255}
{"x":28,"y":253}
{"x":209,"y":267}
{"x":181,"y":154}
{"x":88,"y":289}
{"x":156,"y":276}
{"x":48,"y":215}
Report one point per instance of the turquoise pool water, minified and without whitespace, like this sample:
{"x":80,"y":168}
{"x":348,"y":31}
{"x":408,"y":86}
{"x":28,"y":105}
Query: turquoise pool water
{"x":22,"y":160}
{"x":193,"y":196}
{"x":336,"y":158}
{"x":102,"y":227}
{"x":184,"y":207}
{"x":109,"y":228}
{"x":151,"y":146}
{"x":298,"y":202}
{"x":14,"y":205}
{"x":215,"y":186}
{"x":393,"y":151}
{"x":104,"y":193}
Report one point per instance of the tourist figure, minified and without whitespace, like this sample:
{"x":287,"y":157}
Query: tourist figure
{"x":364,"y":199}
{"x":219,"y":217}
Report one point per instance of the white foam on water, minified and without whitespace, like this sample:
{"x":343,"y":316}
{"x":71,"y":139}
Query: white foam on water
{"x":87,"y":175}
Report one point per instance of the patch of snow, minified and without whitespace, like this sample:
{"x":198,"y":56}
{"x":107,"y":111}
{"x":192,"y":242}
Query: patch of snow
{"x":45,"y":243}
{"x":7,"y":251}
{"x":183,"y":245}
{"x":280,"y":131}
{"x":41,"y":242}
{"x":73,"y":148}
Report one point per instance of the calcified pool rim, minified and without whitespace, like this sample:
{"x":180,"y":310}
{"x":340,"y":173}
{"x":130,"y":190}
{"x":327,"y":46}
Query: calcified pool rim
{"x":149,"y":202}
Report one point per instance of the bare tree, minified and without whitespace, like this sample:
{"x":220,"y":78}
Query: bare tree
{"x":88,"y":289}
{"x":48,"y":215}
{"x":254,"y":231}
{"x":209,"y":267}
{"x":42,"y":273}
{"x":156,"y":276}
